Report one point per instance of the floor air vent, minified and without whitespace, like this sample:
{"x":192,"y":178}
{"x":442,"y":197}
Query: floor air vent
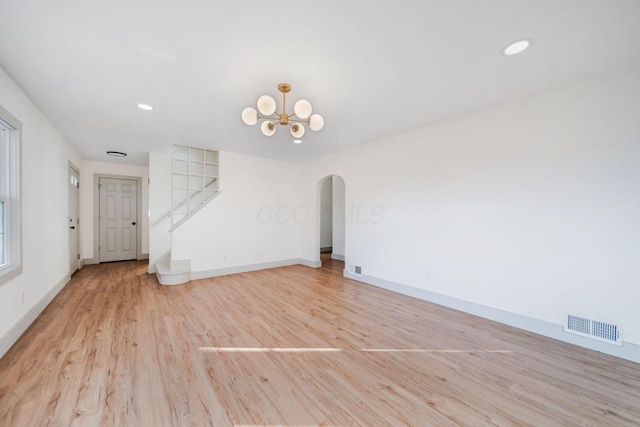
{"x":355,"y":269}
{"x":596,"y":329}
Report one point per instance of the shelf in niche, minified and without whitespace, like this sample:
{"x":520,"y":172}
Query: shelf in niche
{"x":196,"y":161}
{"x":194,"y":189}
{"x":196,"y":175}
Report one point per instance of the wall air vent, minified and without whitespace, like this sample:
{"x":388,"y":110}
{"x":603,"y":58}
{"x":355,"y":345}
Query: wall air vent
{"x":595,"y":329}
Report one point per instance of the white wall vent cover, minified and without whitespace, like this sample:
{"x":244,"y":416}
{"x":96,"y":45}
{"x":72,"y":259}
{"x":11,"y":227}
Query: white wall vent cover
{"x":596,"y":329}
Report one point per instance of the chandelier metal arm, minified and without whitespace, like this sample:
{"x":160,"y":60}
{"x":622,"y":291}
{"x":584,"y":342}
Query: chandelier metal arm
{"x":272,"y":117}
{"x":299,"y":120}
{"x":289,"y":117}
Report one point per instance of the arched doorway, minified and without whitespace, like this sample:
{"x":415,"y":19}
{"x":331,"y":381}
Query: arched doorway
{"x":332,"y":227}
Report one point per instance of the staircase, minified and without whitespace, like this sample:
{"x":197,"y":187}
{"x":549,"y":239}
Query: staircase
{"x":194,"y":183}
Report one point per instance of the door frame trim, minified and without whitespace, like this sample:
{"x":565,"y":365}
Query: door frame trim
{"x":79,"y":244}
{"x":96,"y":213}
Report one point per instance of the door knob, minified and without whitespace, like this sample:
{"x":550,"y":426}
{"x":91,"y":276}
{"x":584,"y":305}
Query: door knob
{"x":73,"y":227}
{"x":133,"y":223}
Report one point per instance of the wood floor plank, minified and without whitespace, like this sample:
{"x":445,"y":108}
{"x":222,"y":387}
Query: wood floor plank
{"x":293,"y":346}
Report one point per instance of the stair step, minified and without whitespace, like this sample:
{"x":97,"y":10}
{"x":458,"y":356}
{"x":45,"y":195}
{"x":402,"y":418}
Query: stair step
{"x":172,"y":276}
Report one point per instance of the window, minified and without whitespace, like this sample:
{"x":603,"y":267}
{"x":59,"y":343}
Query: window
{"x":10,"y":216}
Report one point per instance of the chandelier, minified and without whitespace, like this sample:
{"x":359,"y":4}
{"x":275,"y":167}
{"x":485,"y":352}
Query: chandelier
{"x":267,"y":110}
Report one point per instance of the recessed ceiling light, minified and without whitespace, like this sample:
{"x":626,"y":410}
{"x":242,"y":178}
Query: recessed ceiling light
{"x":145,"y":107}
{"x":517,"y":47}
{"x":117,"y":153}
{"x":297,"y":141}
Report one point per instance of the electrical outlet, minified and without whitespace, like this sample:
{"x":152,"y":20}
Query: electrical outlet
{"x":427,"y":276}
{"x":24,"y":297}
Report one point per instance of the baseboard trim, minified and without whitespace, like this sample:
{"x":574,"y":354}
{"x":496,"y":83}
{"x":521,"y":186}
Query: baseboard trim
{"x":326,"y":249}
{"x":628,"y":351}
{"x":337,"y":257}
{"x":16,"y":331}
{"x":205,"y":274}
{"x":91,"y":261}
{"x":310,"y":263}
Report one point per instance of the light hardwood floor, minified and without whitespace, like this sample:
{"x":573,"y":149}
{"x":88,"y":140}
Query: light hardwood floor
{"x":293,"y":346}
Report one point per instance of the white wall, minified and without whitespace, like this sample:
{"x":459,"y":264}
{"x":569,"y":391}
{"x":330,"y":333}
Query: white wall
{"x":326,"y":213}
{"x":88,"y":169}
{"x":45,"y":238}
{"x":254,"y":220}
{"x":532,"y":207}
{"x":339,"y":216}
{"x":159,"y":207}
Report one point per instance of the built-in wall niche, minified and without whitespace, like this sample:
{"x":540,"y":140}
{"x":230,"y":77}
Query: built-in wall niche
{"x":195,"y":180}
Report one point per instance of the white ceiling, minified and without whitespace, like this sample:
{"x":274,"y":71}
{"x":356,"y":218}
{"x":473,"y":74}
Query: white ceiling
{"x":371,"y":68}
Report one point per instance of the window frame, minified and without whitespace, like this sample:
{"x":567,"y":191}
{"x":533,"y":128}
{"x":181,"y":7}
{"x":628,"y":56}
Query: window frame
{"x":11,"y":194}
{"x":3,"y":232}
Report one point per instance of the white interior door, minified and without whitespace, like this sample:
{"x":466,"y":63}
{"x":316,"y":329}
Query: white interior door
{"x":118,"y":219}
{"x":74,"y":221}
